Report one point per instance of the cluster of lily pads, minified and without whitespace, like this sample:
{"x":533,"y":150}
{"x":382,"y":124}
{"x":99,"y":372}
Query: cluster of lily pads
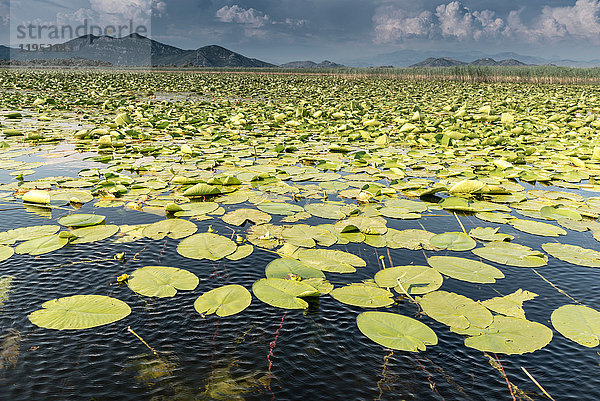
{"x":271,"y":155}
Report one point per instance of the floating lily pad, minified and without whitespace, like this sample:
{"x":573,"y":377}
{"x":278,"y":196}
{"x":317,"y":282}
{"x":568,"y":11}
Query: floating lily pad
{"x":27,"y":233}
{"x":161,"y":281}
{"x":365,"y":225}
{"x":465,"y":269}
{"x":93,"y":233}
{"x":79,"y":312}
{"x":282,"y":293}
{"x":508,"y":253}
{"x":411,"y":279}
{"x":453,"y":241}
{"x":285,"y":209}
{"x":573,"y":254}
{"x":396,"y":331}
{"x":455,"y":310}
{"x":578,"y":323}
{"x":282,"y":267}
{"x":81,"y":220}
{"x":365,"y":296}
{"x":511,"y":304}
{"x":508,"y":335}
{"x":327,"y":210}
{"x":239,"y":216}
{"x":223,"y":301}
{"x":36,"y":196}
{"x":489,"y":234}
{"x":42,"y":245}
{"x":330,"y":260}
{"x":537,"y":228}
{"x":206,"y":246}
{"x":409,"y":239}
{"x":202,"y":190}
{"x":172,"y":228}
{"x":241,"y":252}
{"x":5,"y":252}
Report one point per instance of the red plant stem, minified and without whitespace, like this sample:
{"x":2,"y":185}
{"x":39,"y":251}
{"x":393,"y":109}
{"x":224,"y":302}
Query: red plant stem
{"x":506,"y":378}
{"x":272,"y":345}
{"x":162,"y":251}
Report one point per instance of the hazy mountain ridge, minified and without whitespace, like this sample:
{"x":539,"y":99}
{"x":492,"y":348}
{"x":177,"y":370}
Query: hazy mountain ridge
{"x":312,"y":64}
{"x":137,"y":50}
{"x":450,"y":62}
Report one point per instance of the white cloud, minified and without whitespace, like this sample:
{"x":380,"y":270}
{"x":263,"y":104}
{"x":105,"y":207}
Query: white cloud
{"x":457,"y":21}
{"x":580,"y":21}
{"x":239,"y":15}
{"x":393,"y":24}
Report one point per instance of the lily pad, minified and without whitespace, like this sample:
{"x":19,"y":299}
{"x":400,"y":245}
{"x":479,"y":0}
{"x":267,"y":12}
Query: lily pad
{"x":202,"y":190}
{"x":537,"y":228}
{"x":327,"y":210}
{"x":282,"y":293}
{"x":489,"y":234}
{"x":508,"y":335}
{"x":410,"y":239}
{"x":414,"y":279}
{"x":79,"y":312}
{"x":453,"y":241}
{"x":455,"y":310}
{"x":330,"y":260}
{"x":465,"y":269}
{"x":365,"y":296}
{"x":42,"y":245}
{"x":511,"y":304}
{"x":172,"y":228}
{"x":27,"y":233}
{"x":241,"y":252}
{"x":206,"y":246}
{"x":282,"y":267}
{"x":223,"y":301}
{"x":396,"y":331}
{"x":578,"y":323}
{"x":81,"y":220}
{"x":285,"y":209}
{"x":5,"y":252}
{"x":239,"y":216}
{"x":508,"y":253}
{"x":86,"y":235}
{"x":161,"y":281}
{"x":573,"y":254}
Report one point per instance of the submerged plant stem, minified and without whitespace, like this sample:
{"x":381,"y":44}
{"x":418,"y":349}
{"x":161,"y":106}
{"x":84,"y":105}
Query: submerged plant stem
{"x":557,"y":289}
{"x":129,"y":329}
{"x":536,"y":383}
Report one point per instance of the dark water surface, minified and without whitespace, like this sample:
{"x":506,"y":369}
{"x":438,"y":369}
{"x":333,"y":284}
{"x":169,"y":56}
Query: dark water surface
{"x":316,"y":354}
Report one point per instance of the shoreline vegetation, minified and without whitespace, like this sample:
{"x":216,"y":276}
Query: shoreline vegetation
{"x":528,"y":74}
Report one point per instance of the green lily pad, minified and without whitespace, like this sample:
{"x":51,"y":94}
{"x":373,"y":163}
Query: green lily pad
{"x":282,"y":293}
{"x":86,"y":235}
{"x":330,"y":260}
{"x":36,"y":196}
{"x":79,"y":312}
{"x":285,"y":209}
{"x":366,"y":225}
{"x":410,"y":239}
{"x":206,"y":246}
{"x":508,"y":335}
{"x":573,"y":254}
{"x":557,"y":213}
{"x":81,"y":220}
{"x":453,"y":241}
{"x":508,"y":253}
{"x":578,"y":323}
{"x":511,"y":304}
{"x":307,"y":236}
{"x":327,"y":210}
{"x":489,"y":234}
{"x":464,"y":269}
{"x":537,"y":228}
{"x":5,"y":252}
{"x":42,"y":245}
{"x":201,"y":190}
{"x":398,"y":213}
{"x":241,"y":252}
{"x":224,"y":301}
{"x":239,"y":216}
{"x":365,"y":296}
{"x":161,"y":281}
{"x":195,"y":209}
{"x":414,"y":279}
{"x":396,"y":331}
{"x":455,"y":310}
{"x":172,"y":228}
{"x":282,"y":267}
{"x":27,"y":233}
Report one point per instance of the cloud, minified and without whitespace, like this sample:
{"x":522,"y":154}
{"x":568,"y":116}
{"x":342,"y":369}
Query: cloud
{"x":239,"y":15}
{"x":459,"y":22}
{"x":580,"y":21}
{"x":392,"y":24}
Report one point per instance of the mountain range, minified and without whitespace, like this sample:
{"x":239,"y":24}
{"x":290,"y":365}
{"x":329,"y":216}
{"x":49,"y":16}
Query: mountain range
{"x":450,"y":62}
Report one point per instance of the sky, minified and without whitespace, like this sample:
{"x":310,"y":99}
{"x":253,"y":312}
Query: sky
{"x":340,"y":30}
